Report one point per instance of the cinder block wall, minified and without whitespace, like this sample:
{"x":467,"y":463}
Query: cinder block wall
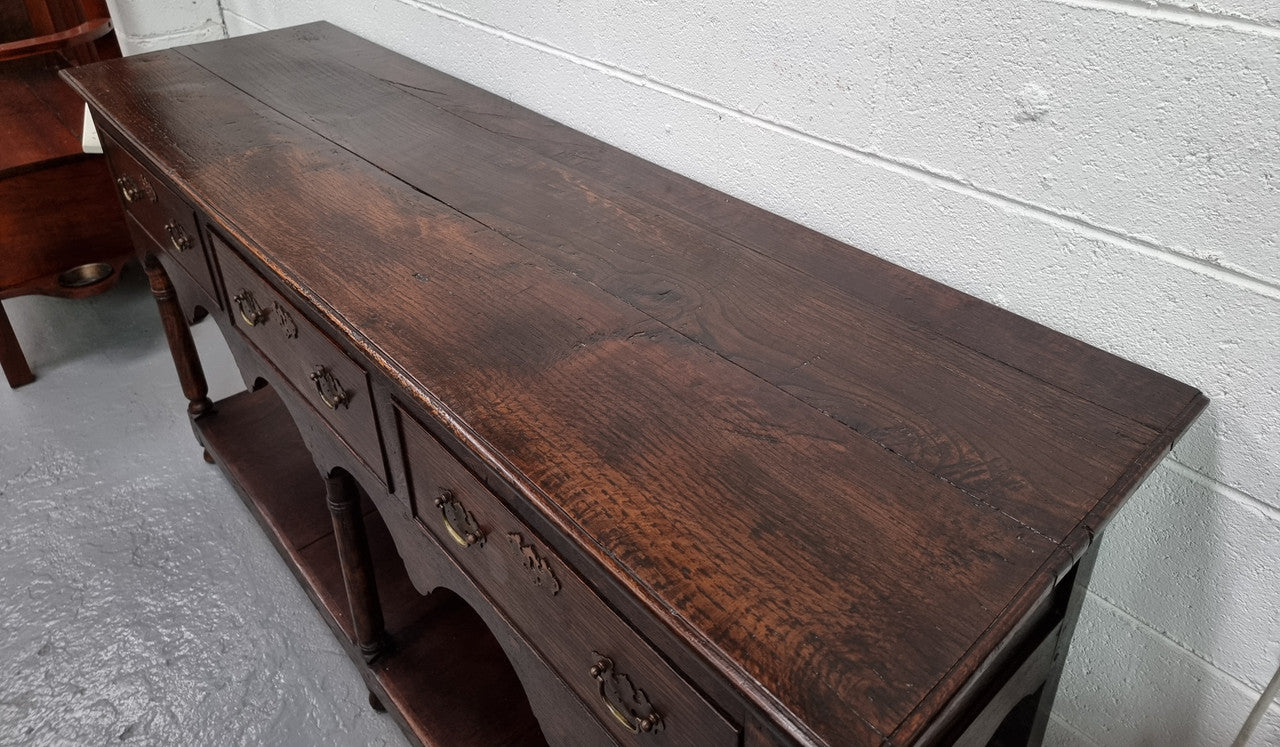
{"x":147,"y":25}
{"x":1110,"y":168}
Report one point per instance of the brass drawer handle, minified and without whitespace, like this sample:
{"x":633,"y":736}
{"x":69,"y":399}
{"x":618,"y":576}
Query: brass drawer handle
{"x":250,"y":311}
{"x":628,"y":704}
{"x":330,"y":389}
{"x":131,"y":191}
{"x":177,"y":236}
{"x":459,"y":522}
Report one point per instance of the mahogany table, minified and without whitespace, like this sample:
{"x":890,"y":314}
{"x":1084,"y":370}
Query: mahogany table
{"x":570,"y":449}
{"x":61,"y":231}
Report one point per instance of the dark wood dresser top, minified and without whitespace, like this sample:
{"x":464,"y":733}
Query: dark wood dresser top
{"x":840,"y":483}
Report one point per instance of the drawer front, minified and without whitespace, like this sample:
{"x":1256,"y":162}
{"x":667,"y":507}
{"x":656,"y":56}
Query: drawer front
{"x":192,"y":293}
{"x":620,"y":678}
{"x":334,"y":385}
{"x":164,"y":216}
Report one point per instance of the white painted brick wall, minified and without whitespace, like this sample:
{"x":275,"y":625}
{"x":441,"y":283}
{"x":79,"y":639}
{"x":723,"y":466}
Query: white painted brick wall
{"x":1110,"y":168}
{"x":148,"y":25}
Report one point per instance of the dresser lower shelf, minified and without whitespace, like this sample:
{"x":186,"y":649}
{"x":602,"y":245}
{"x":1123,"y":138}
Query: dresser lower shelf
{"x":445,"y":680}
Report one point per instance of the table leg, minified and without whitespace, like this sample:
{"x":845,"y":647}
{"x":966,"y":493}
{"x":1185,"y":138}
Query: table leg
{"x":183,"y":349}
{"x":1079,"y":586}
{"x":1027,"y":723}
{"x":12,"y":360}
{"x":357,"y":565}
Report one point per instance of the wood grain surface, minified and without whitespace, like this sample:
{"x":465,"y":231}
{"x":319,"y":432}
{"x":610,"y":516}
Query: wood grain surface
{"x":39,"y":116}
{"x":838,"y":481}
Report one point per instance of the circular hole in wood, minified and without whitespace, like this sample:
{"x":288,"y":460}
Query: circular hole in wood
{"x":82,"y":275}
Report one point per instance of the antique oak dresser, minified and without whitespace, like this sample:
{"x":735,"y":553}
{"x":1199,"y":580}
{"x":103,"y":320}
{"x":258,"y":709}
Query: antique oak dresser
{"x":569,"y":449}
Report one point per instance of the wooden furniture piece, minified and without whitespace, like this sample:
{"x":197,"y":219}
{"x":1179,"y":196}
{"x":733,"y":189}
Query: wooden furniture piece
{"x":569,"y":449}
{"x":62,"y":232}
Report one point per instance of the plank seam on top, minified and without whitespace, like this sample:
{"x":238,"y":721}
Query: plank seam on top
{"x":913,"y":465}
{"x":713,"y":230}
{"x":750,"y":248}
{"x":923,"y":331}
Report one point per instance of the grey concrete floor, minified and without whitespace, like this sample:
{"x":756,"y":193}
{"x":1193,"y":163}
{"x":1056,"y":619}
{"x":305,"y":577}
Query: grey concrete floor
{"x":139,"y":601}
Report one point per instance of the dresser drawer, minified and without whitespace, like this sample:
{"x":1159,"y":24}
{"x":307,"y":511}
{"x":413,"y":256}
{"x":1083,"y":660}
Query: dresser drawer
{"x":336,"y":386}
{"x":164,"y":216}
{"x":616,"y":674}
{"x":192,"y":294}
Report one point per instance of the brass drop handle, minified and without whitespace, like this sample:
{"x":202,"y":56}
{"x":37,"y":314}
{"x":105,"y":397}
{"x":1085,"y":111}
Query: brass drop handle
{"x":128,"y":190}
{"x":250,"y":311}
{"x":177,"y":236}
{"x":626,"y":703}
{"x":131,"y":192}
{"x":648,"y":723}
{"x":458,"y":521}
{"x":330,"y":389}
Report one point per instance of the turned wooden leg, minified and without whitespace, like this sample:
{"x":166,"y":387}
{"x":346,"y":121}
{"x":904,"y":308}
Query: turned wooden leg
{"x":12,"y":360}
{"x":357,"y":565}
{"x":183,"y":349}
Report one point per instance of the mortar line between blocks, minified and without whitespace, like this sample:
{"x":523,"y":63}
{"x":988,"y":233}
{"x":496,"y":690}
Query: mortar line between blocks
{"x":1168,"y":640}
{"x":188,"y":31}
{"x":1205,"y":481}
{"x":1183,"y":16}
{"x":1236,"y":276}
{"x":246,"y":19}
